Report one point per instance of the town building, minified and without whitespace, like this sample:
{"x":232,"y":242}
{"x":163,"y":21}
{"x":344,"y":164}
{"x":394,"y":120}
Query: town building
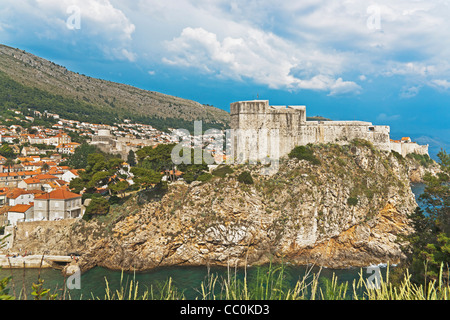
{"x":20,"y":212}
{"x":58,"y":204}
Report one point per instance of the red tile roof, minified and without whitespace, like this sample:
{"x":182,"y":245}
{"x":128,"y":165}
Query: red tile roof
{"x":58,"y":194}
{"x":45,"y":177}
{"x":22,"y":208}
{"x":31,"y":180}
{"x":13,"y":194}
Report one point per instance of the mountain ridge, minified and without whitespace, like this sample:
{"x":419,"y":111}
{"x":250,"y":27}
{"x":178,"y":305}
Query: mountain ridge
{"x":31,"y":71}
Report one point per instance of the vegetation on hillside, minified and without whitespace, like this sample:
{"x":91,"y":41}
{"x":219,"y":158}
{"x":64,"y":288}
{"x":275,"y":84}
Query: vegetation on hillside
{"x":118,"y":101}
{"x":304,"y":153}
{"x":429,"y":245}
{"x":14,"y":95}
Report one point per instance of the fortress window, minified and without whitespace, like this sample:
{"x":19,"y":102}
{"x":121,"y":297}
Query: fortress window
{"x":371,"y":129}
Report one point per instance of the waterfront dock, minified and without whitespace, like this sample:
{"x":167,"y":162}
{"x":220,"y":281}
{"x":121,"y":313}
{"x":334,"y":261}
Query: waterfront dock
{"x":34,"y":261}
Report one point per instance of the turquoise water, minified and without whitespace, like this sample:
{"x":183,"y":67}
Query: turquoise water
{"x":185,"y":279}
{"x":417,"y":189}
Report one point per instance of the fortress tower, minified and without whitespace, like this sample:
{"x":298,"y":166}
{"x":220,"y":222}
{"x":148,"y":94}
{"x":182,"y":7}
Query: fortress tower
{"x":294,"y":130}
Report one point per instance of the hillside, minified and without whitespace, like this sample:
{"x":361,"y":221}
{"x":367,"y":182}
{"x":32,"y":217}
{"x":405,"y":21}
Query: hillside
{"x":36,"y":83}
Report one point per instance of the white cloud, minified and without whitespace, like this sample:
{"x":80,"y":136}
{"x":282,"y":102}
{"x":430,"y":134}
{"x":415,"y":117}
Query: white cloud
{"x":441,"y":83}
{"x":307,"y":44}
{"x":99,"y":15}
{"x":409,"y":92}
{"x":385,"y":117}
{"x":128,"y":55}
{"x":260,"y":56}
{"x":98,"y":24}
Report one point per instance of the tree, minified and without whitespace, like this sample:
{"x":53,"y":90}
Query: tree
{"x":245,"y":177}
{"x":78,"y":159}
{"x":9,"y":163}
{"x":429,"y":244}
{"x":45,"y":167}
{"x":97,"y":206}
{"x":99,"y":179}
{"x":304,"y":153}
{"x":6,"y":151}
{"x":157,"y":159}
{"x":120,"y":187}
{"x":77,"y":185}
{"x":145,"y":177}
{"x":131,"y":158}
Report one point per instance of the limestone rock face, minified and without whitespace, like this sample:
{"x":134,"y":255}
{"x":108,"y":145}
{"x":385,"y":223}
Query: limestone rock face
{"x":347,"y":211}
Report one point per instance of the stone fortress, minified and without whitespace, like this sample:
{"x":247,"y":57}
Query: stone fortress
{"x":108,"y":143}
{"x":293,"y":129}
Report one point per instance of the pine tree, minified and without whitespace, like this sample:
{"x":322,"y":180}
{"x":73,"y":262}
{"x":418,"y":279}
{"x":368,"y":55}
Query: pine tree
{"x":429,"y":244}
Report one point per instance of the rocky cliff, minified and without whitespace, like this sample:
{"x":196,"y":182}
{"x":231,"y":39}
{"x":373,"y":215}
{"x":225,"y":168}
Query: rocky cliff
{"x":346,"y":211}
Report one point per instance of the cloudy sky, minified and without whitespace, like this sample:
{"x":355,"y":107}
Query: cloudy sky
{"x":382,"y":61}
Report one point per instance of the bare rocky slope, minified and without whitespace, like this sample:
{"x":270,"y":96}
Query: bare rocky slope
{"x":347,"y":211}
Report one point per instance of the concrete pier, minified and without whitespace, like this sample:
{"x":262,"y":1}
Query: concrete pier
{"x":34,"y":261}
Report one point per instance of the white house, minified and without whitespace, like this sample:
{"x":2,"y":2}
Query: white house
{"x":58,"y":204}
{"x":69,"y":175}
{"x":20,"y":212}
{"x":19,"y":196}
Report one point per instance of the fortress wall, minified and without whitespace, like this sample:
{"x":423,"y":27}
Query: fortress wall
{"x":294,"y":130}
{"x":255,"y":106}
{"x":343,"y":132}
{"x":405,"y":148}
{"x":421,"y":149}
{"x":308,"y":133}
{"x":397,"y":147}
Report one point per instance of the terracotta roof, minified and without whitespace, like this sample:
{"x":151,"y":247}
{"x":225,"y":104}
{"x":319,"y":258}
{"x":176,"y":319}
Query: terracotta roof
{"x":74,"y":171}
{"x":31,"y":180}
{"x":45,"y":176}
{"x":61,"y":182}
{"x":58,"y":194}
{"x":22,"y":208}
{"x":20,"y":173}
{"x":14,"y":193}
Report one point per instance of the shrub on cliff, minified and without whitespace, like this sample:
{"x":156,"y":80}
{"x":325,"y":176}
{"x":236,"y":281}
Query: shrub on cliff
{"x":205,"y":176}
{"x":423,"y":159}
{"x":304,"y":153}
{"x":97,"y":206}
{"x":245,"y":177}
{"x":352,"y":201}
{"x":222,"y":171}
{"x":397,"y":155}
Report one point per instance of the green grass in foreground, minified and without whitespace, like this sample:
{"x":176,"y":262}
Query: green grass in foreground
{"x":270,"y":283}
